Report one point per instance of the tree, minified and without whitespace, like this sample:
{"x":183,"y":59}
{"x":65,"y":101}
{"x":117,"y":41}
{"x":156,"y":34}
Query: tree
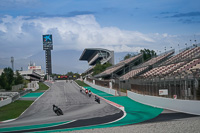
{"x":70,"y":74}
{"x":127,"y":56}
{"x":147,"y":54}
{"x":7,"y":79}
{"x":3,"y":82}
{"x":18,"y":79}
{"x":100,"y":68}
{"x":45,"y":77}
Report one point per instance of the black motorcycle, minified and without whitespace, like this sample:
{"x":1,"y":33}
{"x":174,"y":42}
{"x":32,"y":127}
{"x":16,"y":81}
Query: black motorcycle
{"x":97,"y":99}
{"x":57,"y":110}
{"x":89,"y":94}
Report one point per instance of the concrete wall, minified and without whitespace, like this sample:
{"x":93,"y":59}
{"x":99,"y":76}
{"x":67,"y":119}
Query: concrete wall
{"x":186,"y":106}
{"x":107,"y":90}
{"x":5,"y":102}
{"x":32,"y":86}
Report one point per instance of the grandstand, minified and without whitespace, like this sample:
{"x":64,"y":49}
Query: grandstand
{"x":178,"y":74}
{"x":96,"y":55}
{"x":120,"y":68}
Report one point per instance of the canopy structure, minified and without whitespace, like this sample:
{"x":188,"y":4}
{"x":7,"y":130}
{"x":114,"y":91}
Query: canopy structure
{"x":97,"y":55}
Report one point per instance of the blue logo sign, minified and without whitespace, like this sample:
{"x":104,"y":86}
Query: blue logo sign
{"x":47,"y":39}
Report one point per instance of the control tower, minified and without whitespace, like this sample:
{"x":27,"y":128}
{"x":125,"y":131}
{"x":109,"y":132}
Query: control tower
{"x":48,"y":46}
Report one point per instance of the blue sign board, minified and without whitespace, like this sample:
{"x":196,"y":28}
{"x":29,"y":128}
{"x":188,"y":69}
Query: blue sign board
{"x":47,"y":39}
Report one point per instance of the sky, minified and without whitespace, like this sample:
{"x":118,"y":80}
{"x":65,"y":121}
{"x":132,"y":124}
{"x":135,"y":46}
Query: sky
{"x":119,"y":25}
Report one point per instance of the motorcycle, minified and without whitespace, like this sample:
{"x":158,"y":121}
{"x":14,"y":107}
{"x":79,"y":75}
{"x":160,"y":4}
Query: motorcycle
{"x":97,"y":99}
{"x":86,"y":91}
{"x":59,"y":112}
{"x":90,"y":94}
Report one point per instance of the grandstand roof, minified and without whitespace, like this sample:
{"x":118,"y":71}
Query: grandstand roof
{"x":90,"y":51}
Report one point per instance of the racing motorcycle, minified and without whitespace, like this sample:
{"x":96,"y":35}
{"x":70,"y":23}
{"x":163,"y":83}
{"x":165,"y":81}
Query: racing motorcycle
{"x":97,"y":99}
{"x":57,"y":110}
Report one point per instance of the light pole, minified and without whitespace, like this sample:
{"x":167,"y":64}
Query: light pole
{"x":186,"y":46}
{"x":178,"y":49}
{"x":195,"y":42}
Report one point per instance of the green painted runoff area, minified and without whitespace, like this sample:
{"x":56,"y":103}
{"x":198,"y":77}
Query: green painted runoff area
{"x":34,"y":95}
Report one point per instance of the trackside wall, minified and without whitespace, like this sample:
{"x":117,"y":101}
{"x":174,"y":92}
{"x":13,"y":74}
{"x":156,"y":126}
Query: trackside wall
{"x":5,"y":102}
{"x":186,"y":106}
{"x":107,"y":90}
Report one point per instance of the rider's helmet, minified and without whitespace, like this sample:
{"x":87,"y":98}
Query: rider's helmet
{"x":54,"y":105}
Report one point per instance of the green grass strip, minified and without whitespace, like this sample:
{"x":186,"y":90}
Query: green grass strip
{"x":33,"y":95}
{"x":42,"y":87}
{"x":13,"y":110}
{"x":81,"y":83}
{"x":32,"y":126}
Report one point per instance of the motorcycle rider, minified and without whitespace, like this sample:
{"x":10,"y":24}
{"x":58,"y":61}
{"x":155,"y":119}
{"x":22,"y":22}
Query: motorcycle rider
{"x":55,"y":108}
{"x":89,"y":93}
{"x":97,"y":99}
{"x":86,"y":91}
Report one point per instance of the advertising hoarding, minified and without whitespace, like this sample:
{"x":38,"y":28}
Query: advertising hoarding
{"x":34,"y":67}
{"x":163,"y":92}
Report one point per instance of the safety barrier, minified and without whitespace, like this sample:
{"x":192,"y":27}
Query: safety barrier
{"x":5,"y":101}
{"x":107,"y":90}
{"x":32,"y":86}
{"x":186,"y":106}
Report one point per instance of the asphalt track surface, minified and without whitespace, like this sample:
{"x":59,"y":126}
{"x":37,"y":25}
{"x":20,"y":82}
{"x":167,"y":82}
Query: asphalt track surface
{"x":74,"y":104}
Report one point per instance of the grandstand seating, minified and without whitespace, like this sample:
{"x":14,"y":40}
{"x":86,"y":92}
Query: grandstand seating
{"x":112,"y":69}
{"x":119,"y":65}
{"x":163,"y":70}
{"x":185,"y":55}
{"x":143,"y":67}
{"x":185,"y":61}
{"x":189,"y":66}
{"x":129,"y":59}
{"x":133,"y":73}
{"x":157,"y":59}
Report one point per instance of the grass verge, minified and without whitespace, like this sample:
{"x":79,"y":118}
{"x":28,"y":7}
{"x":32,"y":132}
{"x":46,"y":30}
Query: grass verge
{"x":42,"y":87}
{"x":13,"y":110}
{"x":81,"y":83}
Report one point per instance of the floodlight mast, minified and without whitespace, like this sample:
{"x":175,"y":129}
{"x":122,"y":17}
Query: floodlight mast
{"x":12,"y":63}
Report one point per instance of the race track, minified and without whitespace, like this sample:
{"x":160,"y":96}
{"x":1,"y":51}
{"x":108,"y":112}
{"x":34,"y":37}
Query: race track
{"x":76,"y":106}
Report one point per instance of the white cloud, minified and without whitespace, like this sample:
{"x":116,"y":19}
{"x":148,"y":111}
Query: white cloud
{"x":22,"y":36}
{"x":77,"y":32}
